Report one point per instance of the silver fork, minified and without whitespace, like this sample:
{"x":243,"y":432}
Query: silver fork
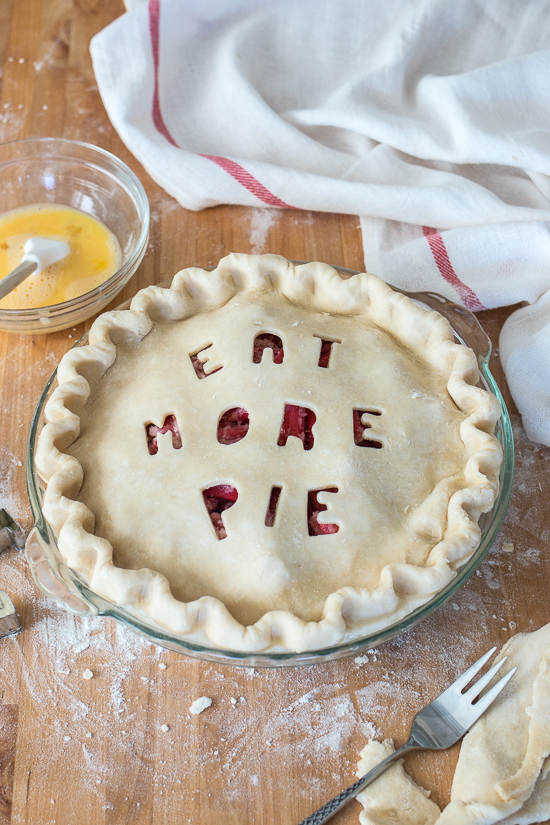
{"x":436,"y":727}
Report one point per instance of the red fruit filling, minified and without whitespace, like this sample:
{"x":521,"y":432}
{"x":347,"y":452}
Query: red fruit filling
{"x":233,"y":425}
{"x":358,"y":429}
{"x":297,"y":421}
{"x":272,"y":506}
{"x":267,"y":339}
{"x":152,"y":430}
{"x":313,"y":510}
{"x":217,"y":499}
{"x":324,"y":357}
{"x":199,"y":366}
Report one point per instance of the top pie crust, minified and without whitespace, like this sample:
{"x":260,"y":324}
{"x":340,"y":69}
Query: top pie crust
{"x":135,"y":525}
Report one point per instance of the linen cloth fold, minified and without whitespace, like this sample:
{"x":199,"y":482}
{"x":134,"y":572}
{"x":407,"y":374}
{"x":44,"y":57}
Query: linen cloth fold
{"x":429,"y":120}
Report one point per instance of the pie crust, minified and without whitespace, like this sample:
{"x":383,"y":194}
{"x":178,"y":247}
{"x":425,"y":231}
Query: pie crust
{"x":367,"y":422}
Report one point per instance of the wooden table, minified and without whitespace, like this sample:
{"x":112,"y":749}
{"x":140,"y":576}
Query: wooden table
{"x":122,"y":747}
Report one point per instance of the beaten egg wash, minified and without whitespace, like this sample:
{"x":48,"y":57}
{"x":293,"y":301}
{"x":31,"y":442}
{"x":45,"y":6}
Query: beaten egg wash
{"x":94,"y":254}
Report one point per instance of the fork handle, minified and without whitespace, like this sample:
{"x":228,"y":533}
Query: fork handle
{"x":330,"y":808}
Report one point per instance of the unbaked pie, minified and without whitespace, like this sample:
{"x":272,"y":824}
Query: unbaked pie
{"x":268,"y":456}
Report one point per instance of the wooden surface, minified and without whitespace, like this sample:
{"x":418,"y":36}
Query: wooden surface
{"x":274,"y":744}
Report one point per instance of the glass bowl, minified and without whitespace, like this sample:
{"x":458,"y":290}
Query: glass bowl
{"x":85,"y":177}
{"x":68,"y":589}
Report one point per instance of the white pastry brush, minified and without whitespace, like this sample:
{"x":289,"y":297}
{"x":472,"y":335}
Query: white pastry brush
{"x":39,"y":253}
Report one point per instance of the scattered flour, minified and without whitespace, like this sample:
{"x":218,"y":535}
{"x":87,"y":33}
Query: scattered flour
{"x":10,"y":499}
{"x":260,"y":224}
{"x":98,"y":731}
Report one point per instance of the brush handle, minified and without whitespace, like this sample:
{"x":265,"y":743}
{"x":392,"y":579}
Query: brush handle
{"x":9,"y":282}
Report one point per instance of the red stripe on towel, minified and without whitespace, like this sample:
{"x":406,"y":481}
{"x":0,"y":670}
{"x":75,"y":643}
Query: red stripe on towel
{"x":441,"y":257}
{"x":158,"y":120}
{"x":248,"y":181}
{"x":237,"y":172}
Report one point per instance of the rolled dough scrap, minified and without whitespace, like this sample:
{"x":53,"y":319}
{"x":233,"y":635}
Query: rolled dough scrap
{"x":537,"y":807}
{"x":502,"y":759}
{"x":393,"y":797}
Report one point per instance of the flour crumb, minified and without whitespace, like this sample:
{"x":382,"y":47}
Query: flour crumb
{"x":200,"y":704}
{"x":164,"y":728}
{"x":162,"y":666}
{"x":87,"y":674}
{"x":508,"y":547}
{"x":361,"y":660}
{"x":233,"y":700}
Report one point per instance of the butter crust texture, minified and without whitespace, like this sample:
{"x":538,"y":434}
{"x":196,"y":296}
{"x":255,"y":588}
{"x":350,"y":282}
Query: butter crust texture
{"x":405,"y":515}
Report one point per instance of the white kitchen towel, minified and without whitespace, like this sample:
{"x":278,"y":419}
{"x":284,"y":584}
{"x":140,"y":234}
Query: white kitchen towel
{"x":429,"y":119}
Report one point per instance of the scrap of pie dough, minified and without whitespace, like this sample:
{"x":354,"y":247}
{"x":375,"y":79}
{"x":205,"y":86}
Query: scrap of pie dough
{"x":200,"y":704}
{"x":503,"y":765}
{"x":537,"y":807}
{"x":393,"y":799}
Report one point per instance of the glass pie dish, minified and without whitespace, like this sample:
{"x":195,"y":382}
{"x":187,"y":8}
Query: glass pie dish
{"x":68,"y":589}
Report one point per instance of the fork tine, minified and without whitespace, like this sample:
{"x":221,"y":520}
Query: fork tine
{"x":481,"y":706}
{"x":484,"y":680}
{"x":468,"y":675}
